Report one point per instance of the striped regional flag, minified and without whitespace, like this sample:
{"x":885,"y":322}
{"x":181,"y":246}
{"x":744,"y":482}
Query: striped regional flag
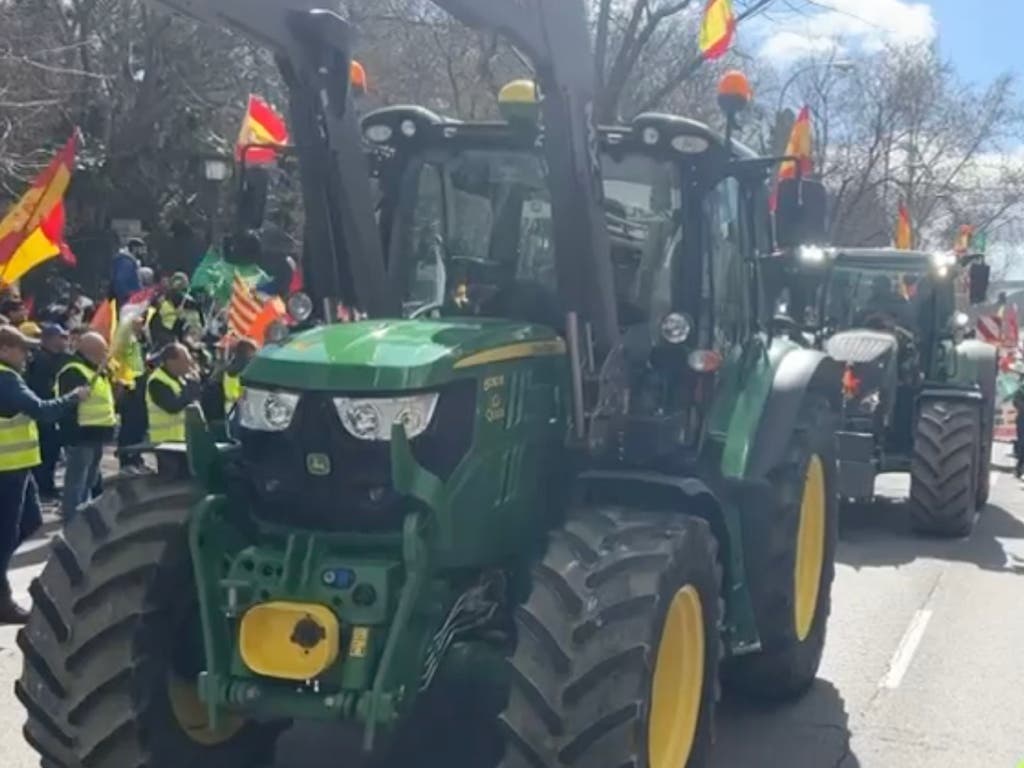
{"x":990,"y":328}
{"x":243,"y":309}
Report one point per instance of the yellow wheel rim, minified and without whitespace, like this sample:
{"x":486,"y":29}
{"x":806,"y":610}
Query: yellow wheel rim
{"x":678,"y":682}
{"x":190,"y":712}
{"x":810,"y":549}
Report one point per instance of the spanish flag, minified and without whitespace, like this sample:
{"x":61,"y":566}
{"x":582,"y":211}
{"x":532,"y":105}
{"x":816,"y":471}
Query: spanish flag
{"x":798,"y":146}
{"x":32,"y":231}
{"x":261,"y":125}
{"x":904,"y":234}
{"x":717,"y":28}
{"x":963,"y":239}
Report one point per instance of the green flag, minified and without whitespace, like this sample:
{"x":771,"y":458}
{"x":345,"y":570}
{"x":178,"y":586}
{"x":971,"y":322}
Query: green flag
{"x":214,"y":276}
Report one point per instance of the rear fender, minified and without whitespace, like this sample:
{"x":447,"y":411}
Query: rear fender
{"x":800,"y":372}
{"x":977,"y":366}
{"x":690,"y":496}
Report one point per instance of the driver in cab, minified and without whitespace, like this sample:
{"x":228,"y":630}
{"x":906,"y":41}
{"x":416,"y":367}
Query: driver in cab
{"x":885,"y":307}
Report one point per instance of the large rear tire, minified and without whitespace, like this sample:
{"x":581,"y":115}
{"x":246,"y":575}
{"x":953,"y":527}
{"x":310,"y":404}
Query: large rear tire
{"x":790,"y":550}
{"x":618,"y":645}
{"x":111,"y":649}
{"x":944,"y":468}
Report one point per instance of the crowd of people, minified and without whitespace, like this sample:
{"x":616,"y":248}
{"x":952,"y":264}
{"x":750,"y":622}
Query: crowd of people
{"x":67,"y":395}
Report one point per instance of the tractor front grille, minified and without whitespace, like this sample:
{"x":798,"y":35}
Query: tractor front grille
{"x":272,"y":477}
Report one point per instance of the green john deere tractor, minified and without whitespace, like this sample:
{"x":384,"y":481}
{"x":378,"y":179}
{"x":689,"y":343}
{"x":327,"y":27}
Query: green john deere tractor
{"x":521,"y":526}
{"x":919,"y":397}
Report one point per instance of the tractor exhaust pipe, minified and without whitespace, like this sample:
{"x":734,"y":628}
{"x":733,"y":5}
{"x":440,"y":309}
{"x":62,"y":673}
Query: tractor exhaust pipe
{"x":572,"y":337}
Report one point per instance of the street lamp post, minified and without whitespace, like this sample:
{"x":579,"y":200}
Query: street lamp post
{"x":215,"y":170}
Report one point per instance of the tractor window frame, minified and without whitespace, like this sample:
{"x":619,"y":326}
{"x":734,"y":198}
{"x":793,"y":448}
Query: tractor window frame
{"x":727,"y":244}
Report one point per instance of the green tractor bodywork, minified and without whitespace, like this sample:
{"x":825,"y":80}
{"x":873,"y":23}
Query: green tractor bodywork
{"x":578,"y":447}
{"x":897,"y":320}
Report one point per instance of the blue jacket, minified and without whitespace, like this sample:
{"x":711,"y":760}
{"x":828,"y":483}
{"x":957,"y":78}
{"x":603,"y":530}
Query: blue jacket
{"x":124,"y":276}
{"x":17,"y":398}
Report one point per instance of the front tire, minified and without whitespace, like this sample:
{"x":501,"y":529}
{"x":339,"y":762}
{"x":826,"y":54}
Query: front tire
{"x":790,"y":550}
{"x":109,"y":670}
{"x":943,"y":469}
{"x":618,"y":645}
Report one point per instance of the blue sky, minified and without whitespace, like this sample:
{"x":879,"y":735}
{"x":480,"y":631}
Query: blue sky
{"x":982,"y":37}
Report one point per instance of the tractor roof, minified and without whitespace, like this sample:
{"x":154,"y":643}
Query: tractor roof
{"x":673,"y":134}
{"x":893,"y":259}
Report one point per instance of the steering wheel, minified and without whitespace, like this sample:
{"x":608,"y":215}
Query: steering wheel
{"x":430,"y":306}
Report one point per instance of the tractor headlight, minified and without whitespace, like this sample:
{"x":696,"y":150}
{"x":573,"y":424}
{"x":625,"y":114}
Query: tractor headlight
{"x":300,"y":307}
{"x":372,"y":418}
{"x":676,"y":327}
{"x":266,"y":411}
{"x":870,"y":403}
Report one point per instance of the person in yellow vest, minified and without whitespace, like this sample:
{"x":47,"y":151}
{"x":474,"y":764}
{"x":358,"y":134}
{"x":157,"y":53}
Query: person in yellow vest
{"x":171,"y":386}
{"x":231,"y":383}
{"x":20,"y":409}
{"x":131,"y":405}
{"x":86,"y":430}
{"x":167,"y":324}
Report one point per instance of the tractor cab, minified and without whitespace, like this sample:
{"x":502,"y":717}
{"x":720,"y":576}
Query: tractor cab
{"x":465,"y":217}
{"x":897,"y":321}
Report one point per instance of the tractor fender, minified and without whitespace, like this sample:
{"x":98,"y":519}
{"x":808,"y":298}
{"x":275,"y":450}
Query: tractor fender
{"x":976,"y":363}
{"x":800,"y":372}
{"x":655,"y":490}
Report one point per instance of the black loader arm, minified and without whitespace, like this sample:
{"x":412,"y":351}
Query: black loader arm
{"x":555,"y":37}
{"x":343,"y":258}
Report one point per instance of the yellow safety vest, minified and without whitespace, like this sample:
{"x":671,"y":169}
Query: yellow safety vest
{"x":232,"y":390}
{"x":97,"y":410}
{"x":168,"y":314}
{"x":164,"y":427}
{"x":19,"y":439}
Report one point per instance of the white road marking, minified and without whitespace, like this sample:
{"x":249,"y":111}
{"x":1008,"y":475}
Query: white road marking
{"x":905,"y":651}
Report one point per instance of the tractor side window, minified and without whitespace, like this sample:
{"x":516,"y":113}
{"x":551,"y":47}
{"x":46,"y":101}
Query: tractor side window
{"x":728,"y":289}
{"x":425,"y":283}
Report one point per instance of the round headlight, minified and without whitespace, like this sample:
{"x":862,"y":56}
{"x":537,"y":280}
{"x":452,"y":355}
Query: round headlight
{"x":651,"y":135}
{"x":378,"y":133}
{"x":676,"y":327}
{"x":961,"y":319}
{"x":408,"y":128}
{"x":277,"y":411}
{"x":363,"y":420}
{"x":411,"y":419}
{"x":277,"y":332}
{"x":300,"y":307}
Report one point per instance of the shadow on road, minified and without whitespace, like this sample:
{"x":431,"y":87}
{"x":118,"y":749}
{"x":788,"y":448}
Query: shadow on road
{"x":40,"y":547}
{"x":810,"y":733}
{"x":879,"y":534}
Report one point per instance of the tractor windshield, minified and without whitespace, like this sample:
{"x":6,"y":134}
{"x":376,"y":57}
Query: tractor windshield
{"x":476,"y":234}
{"x":885,"y":298}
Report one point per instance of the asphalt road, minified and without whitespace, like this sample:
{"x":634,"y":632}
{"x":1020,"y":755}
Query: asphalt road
{"x":924,"y":664}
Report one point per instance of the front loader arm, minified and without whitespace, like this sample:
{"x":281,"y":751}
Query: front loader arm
{"x":342,"y":253}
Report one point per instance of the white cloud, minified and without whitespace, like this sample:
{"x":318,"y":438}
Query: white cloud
{"x":843,"y":25}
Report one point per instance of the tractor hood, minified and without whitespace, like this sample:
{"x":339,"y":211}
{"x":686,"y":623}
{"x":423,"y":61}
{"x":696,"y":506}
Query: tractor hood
{"x":394,"y":355}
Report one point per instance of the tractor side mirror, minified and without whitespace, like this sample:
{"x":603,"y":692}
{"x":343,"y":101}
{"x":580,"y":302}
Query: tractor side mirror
{"x":799,"y":213}
{"x":977,"y":277}
{"x":252,"y":197}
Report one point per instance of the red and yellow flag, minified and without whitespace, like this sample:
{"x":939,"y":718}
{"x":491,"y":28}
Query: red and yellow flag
{"x":904,"y":234}
{"x":261,"y":125}
{"x":798,"y":146}
{"x":32,"y":231}
{"x":963,"y":239}
{"x":717,"y":28}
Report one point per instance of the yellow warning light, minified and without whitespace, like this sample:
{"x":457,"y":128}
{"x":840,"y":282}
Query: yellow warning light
{"x":517,"y":101}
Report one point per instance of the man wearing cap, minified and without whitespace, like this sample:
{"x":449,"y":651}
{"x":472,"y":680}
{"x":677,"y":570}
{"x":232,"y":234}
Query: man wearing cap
{"x":20,"y":409}
{"x":86,"y":429}
{"x":231,"y":384}
{"x":41,"y":376}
